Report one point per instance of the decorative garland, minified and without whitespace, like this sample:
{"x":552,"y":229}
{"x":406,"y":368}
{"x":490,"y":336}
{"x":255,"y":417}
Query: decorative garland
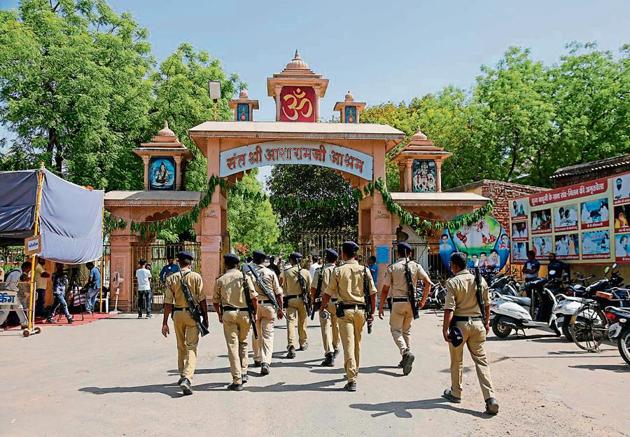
{"x":188,"y":219}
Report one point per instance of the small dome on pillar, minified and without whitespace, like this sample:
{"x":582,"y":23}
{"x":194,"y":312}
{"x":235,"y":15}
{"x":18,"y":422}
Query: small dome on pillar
{"x":166,"y":131}
{"x":349,"y":97}
{"x":419,"y":136}
{"x":297,"y":63}
{"x":243,"y":94}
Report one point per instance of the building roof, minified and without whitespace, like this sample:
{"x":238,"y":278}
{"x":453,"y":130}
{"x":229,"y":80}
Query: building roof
{"x":483,"y":182}
{"x":442,"y":199}
{"x":141,"y":198}
{"x":593,"y":166}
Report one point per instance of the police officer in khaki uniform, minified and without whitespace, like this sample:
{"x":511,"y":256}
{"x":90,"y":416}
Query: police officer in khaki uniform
{"x":401,"y":313}
{"x":296,"y":309}
{"x":346,"y":283}
{"x":186,"y":330}
{"x":328,"y":319}
{"x":230,"y":304}
{"x":462,"y":311}
{"x":266,"y":314}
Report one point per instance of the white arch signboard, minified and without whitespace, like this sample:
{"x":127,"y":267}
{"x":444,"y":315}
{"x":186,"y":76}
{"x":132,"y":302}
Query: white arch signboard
{"x":290,"y":152}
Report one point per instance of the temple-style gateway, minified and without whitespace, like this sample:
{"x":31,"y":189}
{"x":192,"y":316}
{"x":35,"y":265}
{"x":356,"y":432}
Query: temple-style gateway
{"x":355,"y":150}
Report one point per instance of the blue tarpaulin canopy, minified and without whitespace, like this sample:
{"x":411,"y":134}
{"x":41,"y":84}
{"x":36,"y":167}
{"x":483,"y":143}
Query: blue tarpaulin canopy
{"x":70,"y":216}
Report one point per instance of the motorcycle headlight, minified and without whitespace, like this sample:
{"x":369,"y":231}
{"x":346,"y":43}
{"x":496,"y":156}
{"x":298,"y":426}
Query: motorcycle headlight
{"x":623,"y":320}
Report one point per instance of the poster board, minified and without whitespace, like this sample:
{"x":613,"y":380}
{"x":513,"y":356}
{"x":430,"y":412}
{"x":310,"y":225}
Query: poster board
{"x":582,"y":223}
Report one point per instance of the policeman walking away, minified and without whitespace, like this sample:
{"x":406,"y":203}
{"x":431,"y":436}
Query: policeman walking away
{"x":400,"y":284}
{"x":328,"y":318}
{"x":347,"y":284}
{"x":465,"y":323}
{"x":296,"y":282}
{"x":186,"y":328}
{"x":233,"y":292}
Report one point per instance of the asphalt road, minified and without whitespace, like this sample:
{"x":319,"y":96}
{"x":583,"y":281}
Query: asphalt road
{"x":117,"y":377}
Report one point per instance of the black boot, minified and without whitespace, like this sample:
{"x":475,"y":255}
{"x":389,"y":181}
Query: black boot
{"x":291,"y":353}
{"x":329,"y":360}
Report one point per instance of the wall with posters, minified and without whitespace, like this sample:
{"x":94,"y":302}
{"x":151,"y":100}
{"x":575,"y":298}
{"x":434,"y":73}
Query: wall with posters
{"x":582,"y":223}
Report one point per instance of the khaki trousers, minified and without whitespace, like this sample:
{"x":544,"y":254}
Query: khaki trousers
{"x":400,"y":325}
{"x":350,"y":329}
{"x":330,"y":329}
{"x":236,"y":327}
{"x":474,"y":337}
{"x":296,"y":315}
{"x":187,"y":335}
{"x":263,"y":345}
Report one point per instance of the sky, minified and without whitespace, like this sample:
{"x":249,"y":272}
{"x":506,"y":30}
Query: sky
{"x":381,"y":51}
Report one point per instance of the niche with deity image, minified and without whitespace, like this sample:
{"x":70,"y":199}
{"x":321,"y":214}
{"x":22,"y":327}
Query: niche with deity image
{"x":162,"y":173}
{"x":424,"y":176}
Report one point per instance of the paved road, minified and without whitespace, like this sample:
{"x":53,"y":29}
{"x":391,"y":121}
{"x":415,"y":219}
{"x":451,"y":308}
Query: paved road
{"x":116,"y":377}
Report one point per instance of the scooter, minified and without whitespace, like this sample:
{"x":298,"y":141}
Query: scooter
{"x":509,"y":313}
{"x":619,"y":329}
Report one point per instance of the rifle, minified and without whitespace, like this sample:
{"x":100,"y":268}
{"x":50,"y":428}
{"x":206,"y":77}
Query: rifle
{"x":305,"y":295}
{"x":266,"y":291}
{"x":193,"y":307}
{"x":317,"y":303}
{"x":250,"y":305}
{"x":479,"y":299}
{"x":411,"y":290}
{"x":368,"y":300}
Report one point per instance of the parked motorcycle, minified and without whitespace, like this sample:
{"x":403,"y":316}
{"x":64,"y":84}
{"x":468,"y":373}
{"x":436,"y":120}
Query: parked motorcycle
{"x":504,"y":284}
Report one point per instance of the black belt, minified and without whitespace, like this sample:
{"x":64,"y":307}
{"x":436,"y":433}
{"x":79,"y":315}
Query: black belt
{"x":334,"y":300}
{"x":352,"y":306}
{"x":400,"y":299}
{"x":233,"y":309}
{"x":265,"y":301}
{"x":175,"y":309}
{"x":466,"y":318}
{"x":293,"y":296}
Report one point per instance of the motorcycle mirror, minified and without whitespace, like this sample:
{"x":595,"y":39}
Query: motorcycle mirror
{"x":614,"y":266}
{"x":607,"y":269}
{"x":552,"y":272}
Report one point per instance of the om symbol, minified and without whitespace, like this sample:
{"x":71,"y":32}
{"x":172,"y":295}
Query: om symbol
{"x":297,"y":105}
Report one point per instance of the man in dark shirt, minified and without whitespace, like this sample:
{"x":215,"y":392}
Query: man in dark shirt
{"x":556,"y":268}
{"x":531,"y":267}
{"x":170,"y":268}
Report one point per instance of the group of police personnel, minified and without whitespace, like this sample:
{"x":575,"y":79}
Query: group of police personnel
{"x":254,"y":297}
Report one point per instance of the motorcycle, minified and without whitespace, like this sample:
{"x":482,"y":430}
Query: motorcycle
{"x":437,"y":297}
{"x":509,"y":313}
{"x":504,"y":284}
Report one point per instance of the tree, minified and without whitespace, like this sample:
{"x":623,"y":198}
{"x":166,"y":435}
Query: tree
{"x":311,"y":197}
{"x":73,"y":87}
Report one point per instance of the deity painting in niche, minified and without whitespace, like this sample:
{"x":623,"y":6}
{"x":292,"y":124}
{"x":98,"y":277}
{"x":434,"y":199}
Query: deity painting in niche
{"x":350,"y":114}
{"x":297,"y":104}
{"x":424,"y":176}
{"x":162,"y":174}
{"x":242,"y":112}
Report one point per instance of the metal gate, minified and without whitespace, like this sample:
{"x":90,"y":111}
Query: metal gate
{"x":429,"y":260}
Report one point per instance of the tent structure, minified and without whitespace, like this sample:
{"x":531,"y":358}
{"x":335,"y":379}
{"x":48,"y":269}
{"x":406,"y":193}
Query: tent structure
{"x":66,"y":218}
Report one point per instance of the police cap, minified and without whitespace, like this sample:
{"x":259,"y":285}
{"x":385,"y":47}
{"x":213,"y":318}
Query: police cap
{"x":296,"y":256}
{"x":331,"y":254}
{"x":456,"y":336}
{"x":230,"y":257}
{"x":185,"y":255}
{"x":258,"y":256}
{"x":404,"y":247}
{"x":350,"y":247}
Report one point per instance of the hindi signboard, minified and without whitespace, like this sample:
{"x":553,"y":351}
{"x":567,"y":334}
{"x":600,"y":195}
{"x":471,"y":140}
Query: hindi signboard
{"x":33,"y":245}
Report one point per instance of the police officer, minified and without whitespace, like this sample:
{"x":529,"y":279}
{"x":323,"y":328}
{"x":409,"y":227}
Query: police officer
{"x":328,"y":319}
{"x":186,"y":330}
{"x":296,"y":308}
{"x":346,"y":283}
{"x":401,"y":314}
{"x":266,"y":314}
{"x":230,"y":304}
{"x":462,"y":310}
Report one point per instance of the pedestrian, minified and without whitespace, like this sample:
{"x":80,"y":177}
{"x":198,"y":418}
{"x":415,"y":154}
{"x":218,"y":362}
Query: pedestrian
{"x":41,"y":284}
{"x":327,"y":319}
{"x":93,"y":286}
{"x":266,"y":314}
{"x":296,"y":281}
{"x":314,"y":266}
{"x":12,"y":283}
{"x":465,"y":323}
{"x":60,"y":285}
{"x":1,"y":270}
{"x":170,"y":268}
{"x":346,"y":283}
{"x":230,"y":302}
{"x":143,"y":276}
{"x":373,"y":267}
{"x":274,"y":266}
{"x":397,"y":288}
{"x":186,"y":331}
{"x":531,"y":267}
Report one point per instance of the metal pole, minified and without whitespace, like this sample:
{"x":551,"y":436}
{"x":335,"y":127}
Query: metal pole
{"x":100,"y":296}
{"x":38,"y":201}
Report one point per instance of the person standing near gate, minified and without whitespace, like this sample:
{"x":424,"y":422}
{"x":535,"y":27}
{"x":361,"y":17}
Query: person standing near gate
{"x":186,"y":330}
{"x":41,"y":284}
{"x":397,"y":288}
{"x":296,"y":281}
{"x":327,"y":319}
{"x":93,"y":286}
{"x":168,"y":269}
{"x":143,"y":276}
{"x":231,"y":304}
{"x":464,"y":323}
{"x":266,"y":314}
{"x":346,"y":283}
{"x":60,"y":284}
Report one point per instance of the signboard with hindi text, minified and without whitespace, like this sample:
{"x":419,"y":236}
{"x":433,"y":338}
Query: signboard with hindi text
{"x":303,"y":152}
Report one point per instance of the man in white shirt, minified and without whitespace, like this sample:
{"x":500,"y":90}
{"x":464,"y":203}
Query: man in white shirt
{"x":143,"y":275}
{"x":12,"y":280}
{"x":316,"y":265}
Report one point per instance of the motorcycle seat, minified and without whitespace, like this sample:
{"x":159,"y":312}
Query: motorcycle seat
{"x":523,"y":301}
{"x":620,"y":312}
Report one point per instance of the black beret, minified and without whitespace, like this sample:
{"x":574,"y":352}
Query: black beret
{"x":350,"y":247}
{"x":296,"y":255}
{"x":404,"y":246}
{"x":185,"y":255}
{"x":259,"y":254}
{"x":231,"y":257}
{"x":331,"y":253}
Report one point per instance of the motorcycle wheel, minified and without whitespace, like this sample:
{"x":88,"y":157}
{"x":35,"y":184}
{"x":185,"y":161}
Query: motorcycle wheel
{"x":589,"y":328}
{"x":499,"y":328}
{"x":566,"y":330}
{"x":624,"y":344}
{"x":556,"y":331}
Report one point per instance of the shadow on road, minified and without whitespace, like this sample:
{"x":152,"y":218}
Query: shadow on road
{"x":362,"y":370}
{"x":170,"y":390}
{"x":280,"y":387}
{"x":403,"y":409}
{"x":618,"y":368}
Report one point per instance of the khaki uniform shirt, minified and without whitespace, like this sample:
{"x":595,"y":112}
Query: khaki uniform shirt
{"x":269,"y":278}
{"x":291,"y":283}
{"x":229,"y":290}
{"x":40,"y":283}
{"x":461,"y":295}
{"x":175,"y":295}
{"x":326,"y":273}
{"x":346,"y":282}
{"x":395,"y":277}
